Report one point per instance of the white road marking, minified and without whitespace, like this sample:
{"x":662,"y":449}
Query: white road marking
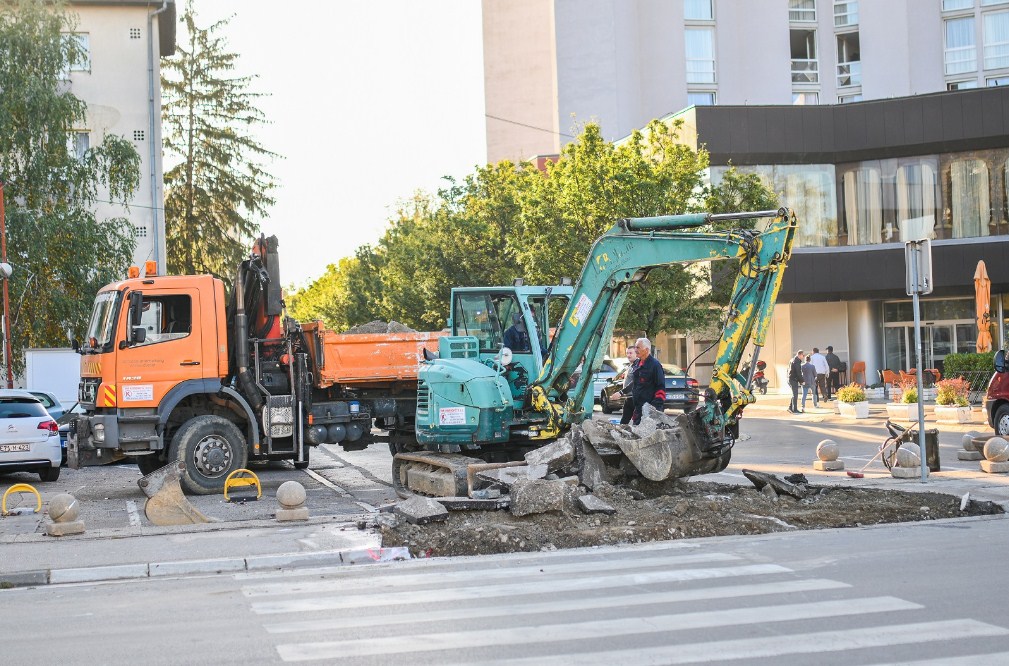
{"x":563,"y":606}
{"x":484,"y":592}
{"x":611,"y":627}
{"x":441,"y":579}
{"x":131,"y":509}
{"x":326,"y":482}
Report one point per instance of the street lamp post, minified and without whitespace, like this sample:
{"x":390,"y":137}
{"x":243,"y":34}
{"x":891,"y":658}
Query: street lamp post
{"x":5,"y":273}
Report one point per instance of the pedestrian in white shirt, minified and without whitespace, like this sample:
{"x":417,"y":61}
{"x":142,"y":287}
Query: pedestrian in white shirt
{"x":819,"y":362}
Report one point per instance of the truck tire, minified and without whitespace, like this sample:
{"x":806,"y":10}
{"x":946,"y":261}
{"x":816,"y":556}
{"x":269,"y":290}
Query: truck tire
{"x":212,"y":447}
{"x":1001,"y":421}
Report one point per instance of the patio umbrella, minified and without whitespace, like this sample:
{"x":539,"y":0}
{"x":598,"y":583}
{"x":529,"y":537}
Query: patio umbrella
{"x":982,"y":305}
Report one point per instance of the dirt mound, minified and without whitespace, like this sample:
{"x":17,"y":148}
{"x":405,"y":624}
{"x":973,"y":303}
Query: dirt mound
{"x":377,"y":326}
{"x":650,"y":511}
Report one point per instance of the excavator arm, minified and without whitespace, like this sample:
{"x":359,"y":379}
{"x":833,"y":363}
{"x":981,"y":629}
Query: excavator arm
{"x":624,"y":255}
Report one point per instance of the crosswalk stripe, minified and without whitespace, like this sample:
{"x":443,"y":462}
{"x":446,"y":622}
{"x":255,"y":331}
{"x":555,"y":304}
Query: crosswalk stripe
{"x":442,"y":595}
{"x":481,"y":578}
{"x":969,"y":660}
{"x":776,"y":646}
{"x":593,"y":629}
{"x":564,"y":606}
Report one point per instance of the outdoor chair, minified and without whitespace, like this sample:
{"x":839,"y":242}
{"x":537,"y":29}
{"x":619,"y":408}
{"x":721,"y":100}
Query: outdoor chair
{"x":858,"y":368}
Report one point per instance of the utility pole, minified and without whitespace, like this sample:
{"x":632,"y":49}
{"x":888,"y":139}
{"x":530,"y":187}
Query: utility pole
{"x":5,"y":272}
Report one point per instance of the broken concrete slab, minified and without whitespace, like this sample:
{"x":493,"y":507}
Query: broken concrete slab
{"x":593,"y":469}
{"x":421,"y":510}
{"x":592,"y":504}
{"x":780,"y":486}
{"x":529,"y":496}
{"x":474,"y":504}
{"x":555,"y":455}
{"x":507,"y":476}
{"x":600,"y":435}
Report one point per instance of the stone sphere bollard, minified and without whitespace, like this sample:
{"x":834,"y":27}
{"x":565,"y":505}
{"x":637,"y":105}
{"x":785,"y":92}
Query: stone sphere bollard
{"x":827,"y":450}
{"x":907,"y":457}
{"x":63,"y":512}
{"x":971,"y":450}
{"x":996,"y":450}
{"x":967,"y":441}
{"x":291,"y":497}
{"x":826,"y":457}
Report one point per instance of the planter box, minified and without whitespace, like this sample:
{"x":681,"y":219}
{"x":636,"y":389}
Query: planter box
{"x":902,"y":411}
{"x":952,"y":414}
{"x":929,"y":393}
{"x":874,"y":393}
{"x":855,"y":410}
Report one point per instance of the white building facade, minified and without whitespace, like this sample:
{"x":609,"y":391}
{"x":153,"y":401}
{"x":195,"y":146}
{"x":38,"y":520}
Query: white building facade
{"x":120,"y":81}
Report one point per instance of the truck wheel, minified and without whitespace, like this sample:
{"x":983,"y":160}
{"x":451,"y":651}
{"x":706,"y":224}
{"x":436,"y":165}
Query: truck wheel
{"x":49,"y":474}
{"x":604,"y":403}
{"x":1002,"y":421}
{"x":150,"y":462}
{"x":212,"y":448}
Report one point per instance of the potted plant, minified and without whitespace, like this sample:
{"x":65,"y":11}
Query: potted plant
{"x":951,"y":404}
{"x":907,"y":408}
{"x":851,"y":401}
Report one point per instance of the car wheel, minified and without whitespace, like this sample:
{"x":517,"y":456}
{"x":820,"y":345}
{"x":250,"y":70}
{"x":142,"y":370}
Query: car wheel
{"x":605,"y":403}
{"x":212,"y":447}
{"x":1002,"y":421}
{"x":49,"y":474}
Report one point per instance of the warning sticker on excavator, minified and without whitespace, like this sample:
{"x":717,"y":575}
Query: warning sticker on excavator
{"x":452,"y":416}
{"x":582,"y":308}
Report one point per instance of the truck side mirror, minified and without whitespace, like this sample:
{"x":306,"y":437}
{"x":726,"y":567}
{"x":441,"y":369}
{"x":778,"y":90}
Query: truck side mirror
{"x":137,"y":333}
{"x":1000,"y":361}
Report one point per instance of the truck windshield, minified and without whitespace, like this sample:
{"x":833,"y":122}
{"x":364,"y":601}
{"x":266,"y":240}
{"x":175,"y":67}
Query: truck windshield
{"x":103,"y":321}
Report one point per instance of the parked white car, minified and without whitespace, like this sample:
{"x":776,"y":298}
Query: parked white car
{"x":29,"y":436}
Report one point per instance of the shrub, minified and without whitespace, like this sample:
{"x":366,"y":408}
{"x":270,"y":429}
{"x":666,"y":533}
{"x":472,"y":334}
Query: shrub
{"x":851,"y":393}
{"x":952,"y":392}
{"x":954,"y":364}
{"x":908,"y":385}
{"x":909,"y":395}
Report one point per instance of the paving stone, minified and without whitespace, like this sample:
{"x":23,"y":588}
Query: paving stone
{"x":994,"y":467}
{"x":421,"y":510}
{"x":592,"y":504}
{"x":555,"y":455}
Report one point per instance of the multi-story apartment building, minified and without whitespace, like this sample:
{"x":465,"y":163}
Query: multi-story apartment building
{"x":863,"y":116}
{"x":120,"y":80}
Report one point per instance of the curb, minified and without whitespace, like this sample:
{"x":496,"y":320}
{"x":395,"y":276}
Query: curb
{"x":210,"y":566}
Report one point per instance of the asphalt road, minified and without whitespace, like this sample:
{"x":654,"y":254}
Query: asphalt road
{"x":920,"y":593}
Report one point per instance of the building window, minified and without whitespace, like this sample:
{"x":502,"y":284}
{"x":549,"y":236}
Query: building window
{"x":700,"y":98}
{"x":700,"y":46}
{"x":969,"y":200}
{"x":845,"y":13}
{"x":849,"y":67}
{"x":848,"y":99}
{"x":805,"y":98}
{"x":863,"y":206}
{"x":993,"y":2}
{"x":996,"y":40}
{"x":80,"y":59}
{"x":969,"y":84}
{"x":916,"y":196}
{"x":802,"y":10}
{"x":960,"y":54}
{"x":78,"y":143}
{"x":804,"y":65}
{"x":697,"y":10}
{"x":993,"y":81}
{"x":953,"y":5}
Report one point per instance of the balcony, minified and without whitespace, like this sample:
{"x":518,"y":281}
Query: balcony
{"x":805,"y":71}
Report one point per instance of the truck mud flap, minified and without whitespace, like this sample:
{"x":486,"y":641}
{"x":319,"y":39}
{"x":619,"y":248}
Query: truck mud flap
{"x":166,"y":505}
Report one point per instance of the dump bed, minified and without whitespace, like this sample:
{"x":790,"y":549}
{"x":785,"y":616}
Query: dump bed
{"x":368,"y":359}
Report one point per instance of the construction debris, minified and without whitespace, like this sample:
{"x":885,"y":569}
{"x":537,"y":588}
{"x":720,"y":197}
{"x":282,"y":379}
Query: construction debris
{"x":529,"y":496}
{"x":592,"y":504}
{"x":780,"y":486}
{"x":421,"y":510}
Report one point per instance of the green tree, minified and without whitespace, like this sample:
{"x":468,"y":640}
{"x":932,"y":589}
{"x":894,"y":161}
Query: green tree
{"x":219,"y":187}
{"x":61,"y":253}
{"x":345,"y":296}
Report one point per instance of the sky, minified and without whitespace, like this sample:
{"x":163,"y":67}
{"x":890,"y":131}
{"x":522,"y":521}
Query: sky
{"x":369,"y":101}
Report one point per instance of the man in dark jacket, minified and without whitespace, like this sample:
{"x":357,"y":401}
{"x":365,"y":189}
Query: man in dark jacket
{"x":649,"y":380}
{"x":834,"y":378}
{"x":794,"y":379}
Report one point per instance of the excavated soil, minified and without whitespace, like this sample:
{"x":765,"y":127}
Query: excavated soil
{"x":647,"y":511}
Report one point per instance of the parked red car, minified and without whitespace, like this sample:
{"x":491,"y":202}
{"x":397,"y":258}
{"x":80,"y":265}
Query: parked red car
{"x":996,"y":402}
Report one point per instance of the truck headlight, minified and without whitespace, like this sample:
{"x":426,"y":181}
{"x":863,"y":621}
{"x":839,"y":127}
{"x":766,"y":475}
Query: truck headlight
{"x":98,"y":432}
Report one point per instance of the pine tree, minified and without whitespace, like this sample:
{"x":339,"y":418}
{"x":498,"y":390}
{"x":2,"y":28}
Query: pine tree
{"x":219,"y":188}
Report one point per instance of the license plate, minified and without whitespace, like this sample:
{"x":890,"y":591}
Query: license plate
{"x":677,"y":396}
{"x":13,"y":448}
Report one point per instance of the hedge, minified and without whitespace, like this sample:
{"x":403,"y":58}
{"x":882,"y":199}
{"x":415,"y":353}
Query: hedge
{"x":955,"y":364}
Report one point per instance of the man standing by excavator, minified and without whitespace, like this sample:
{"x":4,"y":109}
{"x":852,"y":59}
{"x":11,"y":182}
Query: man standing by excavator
{"x":649,"y":380}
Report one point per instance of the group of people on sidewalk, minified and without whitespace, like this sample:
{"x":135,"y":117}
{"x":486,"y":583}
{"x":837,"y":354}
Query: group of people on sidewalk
{"x":818,"y":374}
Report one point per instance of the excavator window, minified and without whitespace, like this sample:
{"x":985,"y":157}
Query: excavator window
{"x":475,"y":315}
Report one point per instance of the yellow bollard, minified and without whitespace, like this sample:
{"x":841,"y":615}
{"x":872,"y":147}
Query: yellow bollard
{"x":21,"y":488}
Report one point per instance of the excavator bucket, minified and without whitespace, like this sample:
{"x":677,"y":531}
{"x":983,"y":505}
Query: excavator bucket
{"x":661,"y":448}
{"x":166,"y":505}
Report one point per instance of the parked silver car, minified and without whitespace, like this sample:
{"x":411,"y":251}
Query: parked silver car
{"x":29,"y":436}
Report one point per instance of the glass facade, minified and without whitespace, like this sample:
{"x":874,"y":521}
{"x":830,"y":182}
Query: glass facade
{"x":954,"y":195}
{"x":948,"y":326}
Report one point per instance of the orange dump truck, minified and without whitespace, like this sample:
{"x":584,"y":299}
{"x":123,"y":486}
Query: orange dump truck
{"x":170,"y":371}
